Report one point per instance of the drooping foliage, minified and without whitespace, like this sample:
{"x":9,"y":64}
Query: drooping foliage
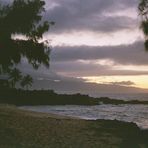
{"x":23,"y":18}
{"x":143,"y":9}
{"x":27,"y":81}
{"x":14,"y":76}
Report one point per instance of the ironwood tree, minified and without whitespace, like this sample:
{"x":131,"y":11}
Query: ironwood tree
{"x":22,"y":18}
{"x":143,"y":9}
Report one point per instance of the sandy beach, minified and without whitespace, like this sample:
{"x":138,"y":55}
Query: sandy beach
{"x":26,"y":129}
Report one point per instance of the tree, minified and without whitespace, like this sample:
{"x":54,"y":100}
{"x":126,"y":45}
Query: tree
{"x":15,"y":76}
{"x":26,"y":81}
{"x":23,"y":17}
{"x":143,"y":9}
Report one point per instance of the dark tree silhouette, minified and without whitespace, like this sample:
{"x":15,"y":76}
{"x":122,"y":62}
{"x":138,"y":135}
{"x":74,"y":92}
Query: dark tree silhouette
{"x":143,"y":9}
{"x":14,"y":76}
{"x":26,"y":81}
{"x":23,"y":17}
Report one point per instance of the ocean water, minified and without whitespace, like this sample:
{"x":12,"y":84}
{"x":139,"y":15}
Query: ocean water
{"x":129,"y":113}
{"x":123,"y":96}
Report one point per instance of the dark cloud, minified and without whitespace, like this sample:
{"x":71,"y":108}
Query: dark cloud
{"x":78,"y":69}
{"x":133,"y":54}
{"x":71,"y":15}
{"x":124,"y":83}
{"x":83,"y":60}
{"x":74,"y":69}
{"x":89,"y":15}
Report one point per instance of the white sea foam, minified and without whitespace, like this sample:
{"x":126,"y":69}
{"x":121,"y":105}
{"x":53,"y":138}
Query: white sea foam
{"x":128,"y":113}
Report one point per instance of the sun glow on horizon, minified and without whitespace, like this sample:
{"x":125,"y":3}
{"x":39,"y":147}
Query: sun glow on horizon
{"x":138,"y":81}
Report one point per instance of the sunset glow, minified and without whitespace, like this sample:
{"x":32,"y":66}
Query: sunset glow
{"x":139,"y":81}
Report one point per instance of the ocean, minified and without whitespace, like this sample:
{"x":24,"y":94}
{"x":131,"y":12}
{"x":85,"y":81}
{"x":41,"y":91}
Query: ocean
{"x":122,"y":96}
{"x":129,"y":113}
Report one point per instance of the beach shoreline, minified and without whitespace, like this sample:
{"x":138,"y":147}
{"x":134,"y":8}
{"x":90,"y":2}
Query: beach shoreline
{"x":21,"y":128}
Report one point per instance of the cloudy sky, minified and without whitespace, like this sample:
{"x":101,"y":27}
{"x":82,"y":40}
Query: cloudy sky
{"x":96,"y":44}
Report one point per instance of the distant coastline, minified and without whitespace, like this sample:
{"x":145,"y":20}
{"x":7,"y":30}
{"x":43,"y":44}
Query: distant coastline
{"x":49,"y":97}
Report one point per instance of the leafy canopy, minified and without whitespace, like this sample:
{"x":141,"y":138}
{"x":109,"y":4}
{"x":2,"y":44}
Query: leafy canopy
{"x":23,"y":17}
{"x":143,"y":9}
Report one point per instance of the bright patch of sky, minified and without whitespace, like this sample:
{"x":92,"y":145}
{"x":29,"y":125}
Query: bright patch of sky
{"x":95,"y":39}
{"x":138,"y":81}
{"x":130,"y":12}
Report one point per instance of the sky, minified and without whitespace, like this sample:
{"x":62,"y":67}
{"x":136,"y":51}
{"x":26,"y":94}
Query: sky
{"x":97,"y":46}
{"x":98,"y":41}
